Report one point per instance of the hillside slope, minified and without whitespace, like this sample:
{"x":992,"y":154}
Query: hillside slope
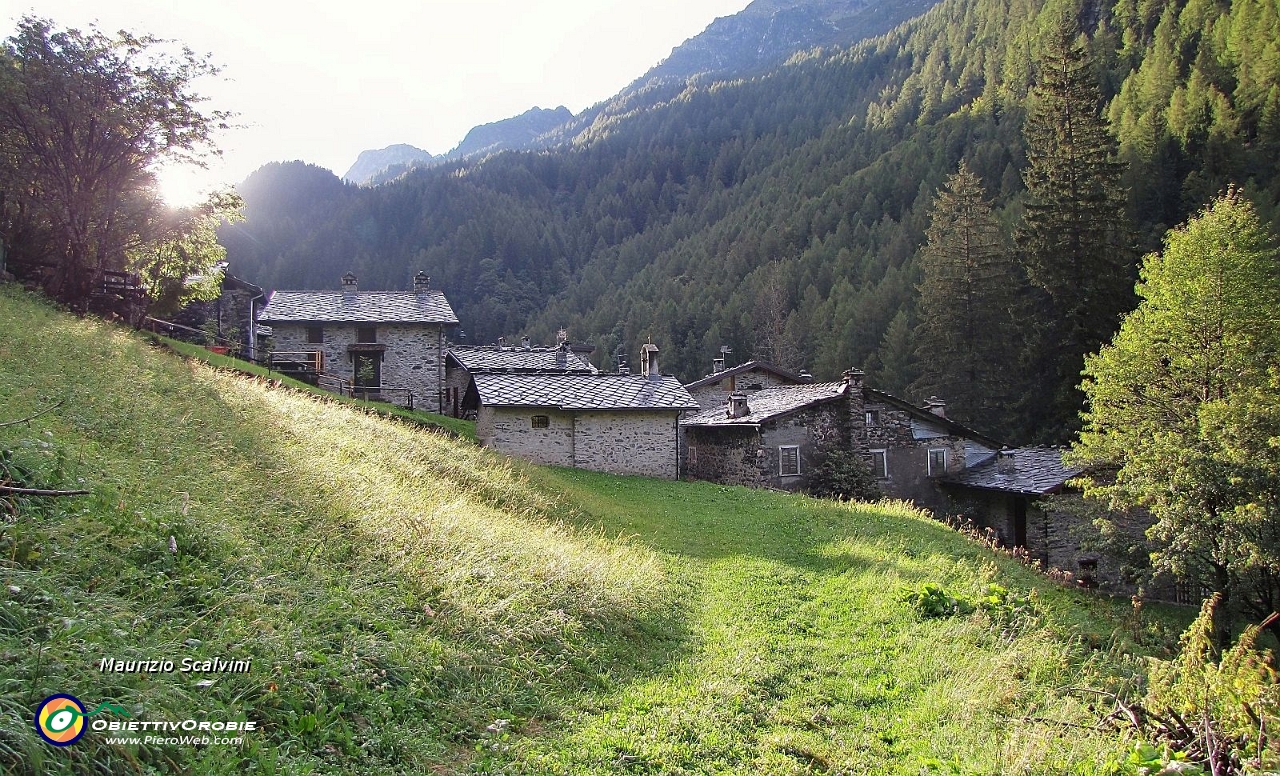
{"x":410,"y":603}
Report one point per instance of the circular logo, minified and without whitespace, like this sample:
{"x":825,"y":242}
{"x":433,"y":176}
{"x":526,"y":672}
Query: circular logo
{"x":60,"y":719}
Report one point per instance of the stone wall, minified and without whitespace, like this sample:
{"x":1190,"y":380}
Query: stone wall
{"x":510,"y":430}
{"x":620,"y":442}
{"x":908,"y":457}
{"x":413,"y":359}
{"x":627,"y":442}
{"x":743,"y":455}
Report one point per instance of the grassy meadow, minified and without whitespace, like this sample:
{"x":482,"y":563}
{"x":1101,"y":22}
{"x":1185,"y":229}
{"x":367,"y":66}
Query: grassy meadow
{"x":414,"y":604}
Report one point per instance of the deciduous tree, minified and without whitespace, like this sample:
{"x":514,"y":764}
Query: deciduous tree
{"x":84,"y":121}
{"x":1184,"y":406}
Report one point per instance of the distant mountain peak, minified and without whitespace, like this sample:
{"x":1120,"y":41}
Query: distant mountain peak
{"x":369,"y":164}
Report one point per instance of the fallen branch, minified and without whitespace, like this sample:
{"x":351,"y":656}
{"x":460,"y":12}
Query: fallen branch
{"x":30,"y":418}
{"x":40,"y":491}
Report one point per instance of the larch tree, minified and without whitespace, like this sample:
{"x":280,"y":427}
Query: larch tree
{"x":85,"y":120}
{"x":965,"y":335}
{"x":1074,"y":240}
{"x":1184,"y":408}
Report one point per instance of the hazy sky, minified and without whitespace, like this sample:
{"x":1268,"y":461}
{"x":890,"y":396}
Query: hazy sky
{"x":322,"y":81}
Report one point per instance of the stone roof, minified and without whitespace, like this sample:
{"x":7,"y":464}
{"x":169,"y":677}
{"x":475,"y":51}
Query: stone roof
{"x":763,"y":366}
{"x":582,"y":392}
{"x":1037,"y":471}
{"x":494,"y":358}
{"x":358,"y":307}
{"x":769,"y":403}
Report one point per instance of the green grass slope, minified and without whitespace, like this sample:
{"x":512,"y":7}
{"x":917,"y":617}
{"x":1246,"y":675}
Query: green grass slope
{"x":411,"y":603}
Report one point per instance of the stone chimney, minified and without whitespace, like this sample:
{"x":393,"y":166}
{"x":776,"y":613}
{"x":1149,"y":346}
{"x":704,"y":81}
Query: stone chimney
{"x":421,"y":283}
{"x":1005,"y":463}
{"x":349,"y":283}
{"x":524,"y":342}
{"x":717,"y":365}
{"x":562,"y":336}
{"x":737,"y":407}
{"x":649,"y":361}
{"x":853,"y":377}
{"x":936,"y":406}
{"x":562,"y":354}
{"x":805,"y":377}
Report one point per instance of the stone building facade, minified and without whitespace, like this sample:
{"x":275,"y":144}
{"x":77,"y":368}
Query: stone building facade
{"x":388,"y":345}
{"x":619,"y":423}
{"x":775,"y":437}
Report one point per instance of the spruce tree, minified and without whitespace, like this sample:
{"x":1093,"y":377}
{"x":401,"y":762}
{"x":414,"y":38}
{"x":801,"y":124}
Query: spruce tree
{"x":1074,"y":240}
{"x":965,"y":330}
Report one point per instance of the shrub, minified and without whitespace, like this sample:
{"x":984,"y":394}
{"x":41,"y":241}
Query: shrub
{"x":844,"y":475}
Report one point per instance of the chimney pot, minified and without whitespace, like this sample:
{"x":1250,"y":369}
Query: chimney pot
{"x":524,"y":343}
{"x":649,"y":361}
{"x":805,"y":376}
{"x":1005,"y":463}
{"x":853,"y":376}
{"x":349,"y":283}
{"x":936,"y":406}
{"x":421,"y":283}
{"x":738,"y":405}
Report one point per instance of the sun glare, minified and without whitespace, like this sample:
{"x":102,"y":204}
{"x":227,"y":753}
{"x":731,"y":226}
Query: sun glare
{"x":184,"y":186}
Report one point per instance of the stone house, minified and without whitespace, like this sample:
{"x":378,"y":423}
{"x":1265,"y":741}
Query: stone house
{"x":388,"y":345}
{"x":775,"y":437}
{"x":713,"y":390}
{"x":232,"y":317}
{"x":1024,"y":496}
{"x":461,"y":362}
{"x":619,"y":423}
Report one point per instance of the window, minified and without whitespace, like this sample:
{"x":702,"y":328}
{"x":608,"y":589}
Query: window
{"x":541,"y":421}
{"x":315,"y":335}
{"x":880,"y":464}
{"x":937,"y":461}
{"x":366,"y":334}
{"x":789,"y":461}
{"x":873,"y":417}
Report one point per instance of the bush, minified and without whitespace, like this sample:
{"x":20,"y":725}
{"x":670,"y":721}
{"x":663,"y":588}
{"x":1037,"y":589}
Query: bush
{"x":844,"y":475}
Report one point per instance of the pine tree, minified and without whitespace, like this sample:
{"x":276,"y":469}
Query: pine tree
{"x":965,"y":325}
{"x":1074,"y":239}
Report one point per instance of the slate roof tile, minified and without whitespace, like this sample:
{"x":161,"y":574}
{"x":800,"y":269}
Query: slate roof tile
{"x":763,"y":366}
{"x":768,"y":403}
{"x":479,"y":359}
{"x":582,"y":392}
{"x":1037,"y":471}
{"x":360,"y":307}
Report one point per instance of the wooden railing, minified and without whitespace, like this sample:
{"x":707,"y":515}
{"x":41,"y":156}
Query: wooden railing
{"x":400,"y":396}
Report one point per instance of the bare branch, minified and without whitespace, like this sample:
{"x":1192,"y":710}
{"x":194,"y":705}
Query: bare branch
{"x":30,"y":418}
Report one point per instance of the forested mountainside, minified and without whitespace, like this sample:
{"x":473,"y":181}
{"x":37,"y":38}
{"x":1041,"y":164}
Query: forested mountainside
{"x":767,"y":32}
{"x":784,"y":215}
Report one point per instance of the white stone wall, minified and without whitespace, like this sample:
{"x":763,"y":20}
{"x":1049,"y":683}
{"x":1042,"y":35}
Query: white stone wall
{"x":414,"y":357}
{"x":620,"y":442}
{"x":511,"y":431}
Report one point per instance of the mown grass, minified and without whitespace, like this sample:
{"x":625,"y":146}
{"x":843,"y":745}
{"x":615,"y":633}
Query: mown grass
{"x":412,"y":603}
